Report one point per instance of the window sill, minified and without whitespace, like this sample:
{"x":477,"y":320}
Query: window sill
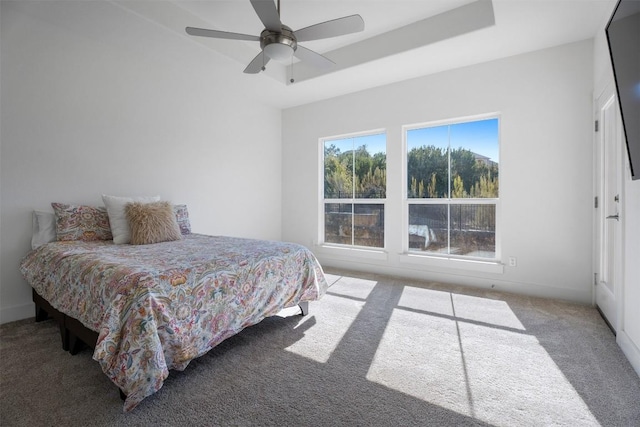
{"x":343,"y":251}
{"x":493,"y":267}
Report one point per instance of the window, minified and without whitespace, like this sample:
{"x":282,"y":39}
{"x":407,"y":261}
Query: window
{"x":452,"y":188}
{"x":354,"y":191}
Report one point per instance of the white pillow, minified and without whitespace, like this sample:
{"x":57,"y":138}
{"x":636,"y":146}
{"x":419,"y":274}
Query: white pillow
{"x":117,"y":217}
{"x":43,"y":228}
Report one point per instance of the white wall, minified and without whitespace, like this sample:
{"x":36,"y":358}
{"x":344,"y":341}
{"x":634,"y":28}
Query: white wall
{"x":628,"y":331}
{"x":96,"y":100}
{"x":544,"y":99}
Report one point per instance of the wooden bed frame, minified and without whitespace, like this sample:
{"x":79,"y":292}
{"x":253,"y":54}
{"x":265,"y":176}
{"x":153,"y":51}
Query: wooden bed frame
{"x":73,"y":333}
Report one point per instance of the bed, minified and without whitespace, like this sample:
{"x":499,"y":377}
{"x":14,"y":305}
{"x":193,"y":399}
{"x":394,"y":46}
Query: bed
{"x":148,"y":309}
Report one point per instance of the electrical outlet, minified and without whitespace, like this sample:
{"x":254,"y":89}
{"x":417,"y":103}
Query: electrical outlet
{"x":513,"y":261}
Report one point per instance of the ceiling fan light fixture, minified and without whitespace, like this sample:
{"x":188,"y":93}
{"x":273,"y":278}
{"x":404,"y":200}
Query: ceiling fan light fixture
{"x":279,"y":51}
{"x":279,"y":42}
{"x":280,"y":45}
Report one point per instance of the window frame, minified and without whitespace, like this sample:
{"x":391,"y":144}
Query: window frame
{"x":448,"y":201}
{"x":353,"y":201}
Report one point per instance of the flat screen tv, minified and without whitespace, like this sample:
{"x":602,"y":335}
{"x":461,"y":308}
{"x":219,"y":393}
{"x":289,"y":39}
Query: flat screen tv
{"x":623,"y":36}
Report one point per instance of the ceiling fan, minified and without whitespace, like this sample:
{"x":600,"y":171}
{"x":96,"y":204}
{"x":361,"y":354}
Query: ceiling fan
{"x":279,"y":42}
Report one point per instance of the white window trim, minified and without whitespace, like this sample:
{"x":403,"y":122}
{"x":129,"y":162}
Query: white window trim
{"x":467,"y":264}
{"x":360,"y":251}
{"x":453,"y":261}
{"x":341,"y":252}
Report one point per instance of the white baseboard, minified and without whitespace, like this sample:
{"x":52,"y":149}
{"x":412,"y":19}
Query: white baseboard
{"x":462,"y":277}
{"x":629,"y":349}
{"x":17,"y":312}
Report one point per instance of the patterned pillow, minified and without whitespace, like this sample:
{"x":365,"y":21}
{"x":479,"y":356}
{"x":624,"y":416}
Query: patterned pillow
{"x":182,"y":216}
{"x":152,"y":223}
{"x":80,"y":222}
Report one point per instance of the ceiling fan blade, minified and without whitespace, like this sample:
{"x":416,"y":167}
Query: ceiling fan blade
{"x":337,"y":27}
{"x":255,"y":66}
{"x":268,"y":14}
{"x":313,"y":58}
{"x":220,"y":34}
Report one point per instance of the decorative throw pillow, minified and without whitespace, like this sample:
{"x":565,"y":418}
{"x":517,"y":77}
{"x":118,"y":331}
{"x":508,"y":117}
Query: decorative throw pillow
{"x":152,"y":223}
{"x":182,"y":216}
{"x":79,"y":222}
{"x":115,"y":208}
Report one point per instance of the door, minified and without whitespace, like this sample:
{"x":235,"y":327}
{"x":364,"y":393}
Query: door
{"x":609,"y":172}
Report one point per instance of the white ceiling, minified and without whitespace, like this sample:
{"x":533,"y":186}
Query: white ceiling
{"x":518,"y":26}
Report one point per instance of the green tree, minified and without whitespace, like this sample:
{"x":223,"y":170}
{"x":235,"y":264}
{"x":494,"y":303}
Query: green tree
{"x":432,"y":187}
{"x":416,"y":189}
{"x":429,"y":175}
{"x":370,"y":174}
{"x":423,"y":164}
{"x":354,"y":173}
{"x":485,"y":187}
{"x":462,"y":165}
{"x":338,"y":180}
{"x":458,"y":190}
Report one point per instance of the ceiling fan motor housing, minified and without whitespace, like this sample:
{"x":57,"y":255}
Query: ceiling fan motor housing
{"x":285,"y":37}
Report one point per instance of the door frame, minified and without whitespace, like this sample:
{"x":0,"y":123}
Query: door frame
{"x":607,"y":95}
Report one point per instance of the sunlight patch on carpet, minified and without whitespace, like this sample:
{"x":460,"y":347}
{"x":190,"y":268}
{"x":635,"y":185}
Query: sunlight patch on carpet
{"x":485,"y":311}
{"x":422,"y":360}
{"x":321,"y":340}
{"x":346,"y":297}
{"x":475,"y":358}
{"x":482,"y":310}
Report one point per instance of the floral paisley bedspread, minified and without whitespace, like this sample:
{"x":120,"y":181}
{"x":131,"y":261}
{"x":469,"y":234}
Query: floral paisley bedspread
{"x":157,"y":307}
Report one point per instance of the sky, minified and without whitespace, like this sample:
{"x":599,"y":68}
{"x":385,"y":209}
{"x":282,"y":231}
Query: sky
{"x":480,"y":137}
{"x":376,"y":143}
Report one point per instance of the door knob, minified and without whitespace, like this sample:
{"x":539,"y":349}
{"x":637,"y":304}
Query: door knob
{"x":616,"y":217}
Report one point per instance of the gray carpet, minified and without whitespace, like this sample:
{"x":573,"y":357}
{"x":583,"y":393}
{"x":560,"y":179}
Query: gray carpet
{"x":375,"y":351}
